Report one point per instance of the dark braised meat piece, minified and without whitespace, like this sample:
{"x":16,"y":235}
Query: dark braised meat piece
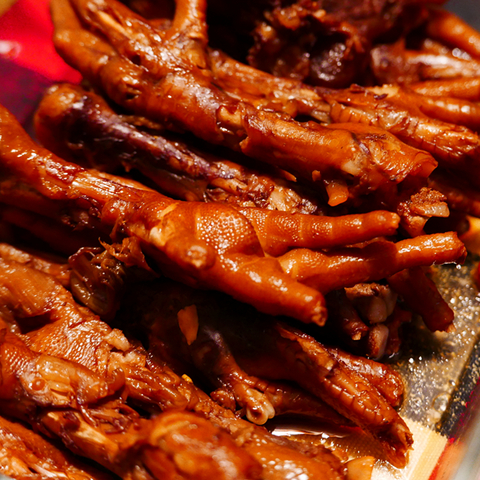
{"x":101,"y":368}
{"x":214,"y":245}
{"x":181,"y":91}
{"x":28,"y":455}
{"x":320,"y":42}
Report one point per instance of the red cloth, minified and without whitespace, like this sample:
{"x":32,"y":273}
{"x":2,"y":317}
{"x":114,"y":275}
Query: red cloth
{"x":26,"y":32}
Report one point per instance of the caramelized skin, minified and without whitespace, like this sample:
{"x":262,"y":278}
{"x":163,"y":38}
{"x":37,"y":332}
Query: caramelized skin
{"x":262,"y":134}
{"x":277,"y":231}
{"x":369,"y":158}
{"x":224,"y":248}
{"x":207,"y":238}
{"x":412,"y":284}
{"x":462,"y":88}
{"x":68,"y":110}
{"x":325,"y":105}
{"x":286,"y":95}
{"x":377,"y":260}
{"x":433,"y":128}
{"x":19,"y":280}
{"x":169,"y":446}
{"x":79,"y":338}
{"x":73,"y":374}
{"x":395,"y":64}
{"x":386,"y":380}
{"x":27,"y":455}
{"x":416,"y":120}
{"x":68,"y":337}
{"x":268,"y":349}
{"x":453,"y":31}
{"x":72,"y":332}
{"x":80,"y":125}
{"x":35,"y":385}
{"x":307,"y":231}
{"x":36,"y":379}
{"x":296,"y":98}
{"x":345,"y":390}
{"x":214,"y":245}
{"x":51,"y":264}
{"x":393,"y":162}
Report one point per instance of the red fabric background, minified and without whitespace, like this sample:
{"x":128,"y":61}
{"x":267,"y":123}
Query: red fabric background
{"x":26,"y":34}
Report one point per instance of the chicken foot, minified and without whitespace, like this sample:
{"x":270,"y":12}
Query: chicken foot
{"x":79,"y":336}
{"x":409,"y":117}
{"x":371,"y":156}
{"x":277,"y":231}
{"x":377,"y":260}
{"x":27,"y":455}
{"x":268,"y":352}
{"x":214,"y":245}
{"x":78,"y":125}
{"x":111,"y":433}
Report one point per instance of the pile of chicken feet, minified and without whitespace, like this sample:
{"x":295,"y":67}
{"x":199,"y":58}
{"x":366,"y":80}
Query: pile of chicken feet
{"x":291,"y":201}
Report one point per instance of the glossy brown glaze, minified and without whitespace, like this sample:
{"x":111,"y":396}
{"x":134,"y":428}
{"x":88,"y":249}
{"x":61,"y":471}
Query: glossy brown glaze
{"x":35,"y":385}
{"x":80,"y":126}
{"x":205,"y":240}
{"x":416,"y":120}
{"x":219,"y":118}
{"x":381,"y":159}
{"x":76,"y":337}
{"x":375,"y":261}
{"x":231,"y":352}
{"x":28,"y":455}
